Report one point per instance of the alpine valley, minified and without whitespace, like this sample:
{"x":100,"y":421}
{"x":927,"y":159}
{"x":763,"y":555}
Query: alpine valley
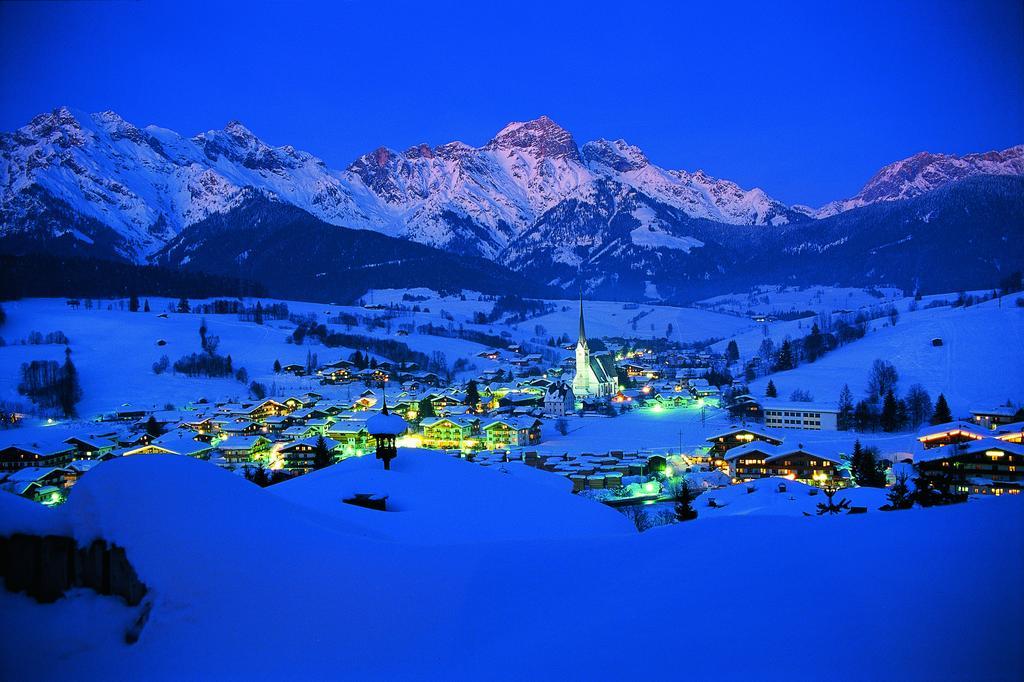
{"x":531,"y":212}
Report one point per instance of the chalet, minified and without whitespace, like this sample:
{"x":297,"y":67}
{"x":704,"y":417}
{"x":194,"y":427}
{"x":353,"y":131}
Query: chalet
{"x":809,"y":416}
{"x":351,"y":436}
{"x":300,"y":454}
{"x":983,"y":466}
{"x":442,"y":403}
{"x":747,"y":461}
{"x":204,"y":426}
{"x":449,"y":432}
{"x":336,"y":375}
{"x":514,"y":432}
{"x":294,"y":368}
{"x":737,"y":436}
{"x":949,"y":433}
{"x":993,"y":417}
{"x":300,"y":431}
{"x":297,"y":402}
{"x":278,"y":423}
{"x":559,"y":400}
{"x":18,"y":456}
{"x":759,"y":459}
{"x":241,"y":449}
{"x":1011,"y":433}
{"x":135,"y":439}
{"x":89,"y":447}
{"x":801,"y":465}
{"x":79,"y":468}
{"x":171,"y":445}
{"x":56,"y":477}
{"x":241,"y":428}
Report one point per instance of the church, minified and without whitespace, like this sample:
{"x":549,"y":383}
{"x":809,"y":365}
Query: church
{"x":596,"y":376}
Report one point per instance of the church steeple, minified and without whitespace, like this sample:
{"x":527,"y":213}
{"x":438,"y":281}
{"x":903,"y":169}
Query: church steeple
{"x":583,"y":330}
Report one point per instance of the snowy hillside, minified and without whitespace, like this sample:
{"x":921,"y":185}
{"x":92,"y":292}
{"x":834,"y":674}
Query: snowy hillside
{"x":978,"y":364}
{"x":247,"y":563}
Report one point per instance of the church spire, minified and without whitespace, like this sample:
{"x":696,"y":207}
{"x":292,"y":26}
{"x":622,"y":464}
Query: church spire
{"x":583,"y":330}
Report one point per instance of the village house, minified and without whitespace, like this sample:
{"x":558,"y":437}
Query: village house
{"x":240,"y":428}
{"x":737,"y":436}
{"x":1011,"y":433}
{"x":242,"y":449}
{"x":449,"y":432}
{"x":300,"y":454}
{"x":984,"y":466}
{"x":173,"y":445}
{"x":809,"y":416}
{"x":300,"y":431}
{"x":946,"y":434}
{"x":18,"y":456}
{"x":90,"y":447}
{"x":759,"y":459}
{"x":559,"y":400}
{"x":513,"y":432}
{"x":351,"y":436}
{"x":993,"y":417}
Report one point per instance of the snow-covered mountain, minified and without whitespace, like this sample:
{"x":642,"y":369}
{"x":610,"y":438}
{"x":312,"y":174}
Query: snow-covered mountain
{"x":925,"y":172}
{"x":147,"y":184}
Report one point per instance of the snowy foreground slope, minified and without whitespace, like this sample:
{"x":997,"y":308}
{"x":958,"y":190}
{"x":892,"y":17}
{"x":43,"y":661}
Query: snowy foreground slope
{"x":248,"y":584}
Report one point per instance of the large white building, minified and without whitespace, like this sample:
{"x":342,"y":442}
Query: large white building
{"x":596,"y":376}
{"x":810,"y":416}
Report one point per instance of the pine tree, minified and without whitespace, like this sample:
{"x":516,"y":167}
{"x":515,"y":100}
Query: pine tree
{"x":133,"y":303}
{"x":785,"y":360}
{"x":899,"y":494}
{"x":942,"y":414}
{"x":683,"y":508}
{"x":732,"y":352}
{"x":770,"y":391}
{"x":70,"y":390}
{"x":145,"y":307}
{"x":183,"y":305}
{"x":258,"y":315}
{"x":321,"y":454}
{"x":889,"y":418}
{"x":277,"y":366}
{"x":845,"y":416}
{"x":864,"y":416}
{"x":472,"y":394}
{"x":153,"y":427}
{"x":814,"y":343}
{"x":426,"y":409}
{"x":865,"y":467}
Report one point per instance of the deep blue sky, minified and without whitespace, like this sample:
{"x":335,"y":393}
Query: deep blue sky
{"x":802,"y":100}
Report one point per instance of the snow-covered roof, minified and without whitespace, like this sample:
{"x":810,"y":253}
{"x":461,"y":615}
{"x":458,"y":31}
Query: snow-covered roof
{"x":758,"y":446}
{"x":743,"y":429}
{"x":969,"y":448}
{"x":311,"y":442}
{"x":968,"y":428}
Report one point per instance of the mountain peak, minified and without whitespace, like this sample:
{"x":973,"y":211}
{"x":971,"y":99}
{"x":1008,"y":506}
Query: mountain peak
{"x":542,"y":136}
{"x":619,"y":155}
{"x":235,"y":129}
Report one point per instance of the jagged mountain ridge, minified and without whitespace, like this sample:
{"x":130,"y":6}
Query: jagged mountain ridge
{"x":148,"y":184}
{"x":924,"y":172}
